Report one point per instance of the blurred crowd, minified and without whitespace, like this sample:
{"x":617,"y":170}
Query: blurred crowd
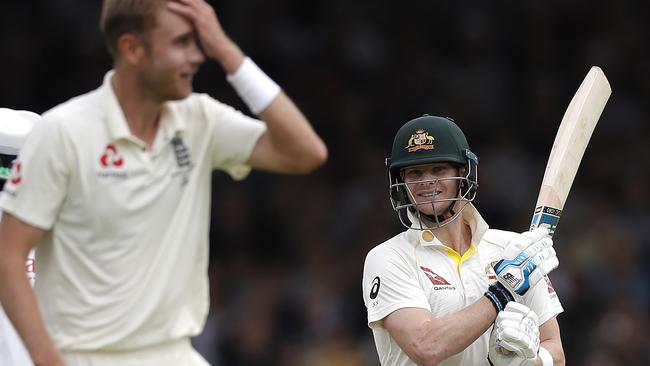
{"x":287,"y":252}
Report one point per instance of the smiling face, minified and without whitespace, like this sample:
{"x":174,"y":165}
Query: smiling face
{"x":433,"y":188}
{"x":171,"y":57}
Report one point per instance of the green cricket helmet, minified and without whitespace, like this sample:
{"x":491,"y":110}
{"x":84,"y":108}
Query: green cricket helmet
{"x":425,"y":140}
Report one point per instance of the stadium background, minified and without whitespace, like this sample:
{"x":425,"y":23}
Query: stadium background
{"x":287,"y":252}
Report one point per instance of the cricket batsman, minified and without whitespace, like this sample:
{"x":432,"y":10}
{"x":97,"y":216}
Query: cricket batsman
{"x":449,"y":290}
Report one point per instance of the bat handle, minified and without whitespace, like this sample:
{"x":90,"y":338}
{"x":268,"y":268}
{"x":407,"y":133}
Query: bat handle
{"x":546,"y":216}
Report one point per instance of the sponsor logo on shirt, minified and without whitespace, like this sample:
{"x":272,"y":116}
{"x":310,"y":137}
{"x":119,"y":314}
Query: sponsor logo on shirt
{"x":439,"y":283}
{"x":16,"y":175}
{"x":550,"y":288}
{"x":111,"y":162}
{"x":374,"y":290}
{"x":111,"y":158}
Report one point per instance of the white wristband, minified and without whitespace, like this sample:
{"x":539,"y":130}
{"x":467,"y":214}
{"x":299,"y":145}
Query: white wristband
{"x":545,"y":356}
{"x":253,"y":86}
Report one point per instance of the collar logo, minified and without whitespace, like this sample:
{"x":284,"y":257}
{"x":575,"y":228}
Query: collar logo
{"x":489,"y":271}
{"x":435,"y":278}
{"x":111,"y":158}
{"x":420,"y":140}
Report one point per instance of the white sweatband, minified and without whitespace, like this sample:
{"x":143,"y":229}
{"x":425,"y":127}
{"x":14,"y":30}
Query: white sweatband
{"x":254,"y":87}
{"x":545,"y":356}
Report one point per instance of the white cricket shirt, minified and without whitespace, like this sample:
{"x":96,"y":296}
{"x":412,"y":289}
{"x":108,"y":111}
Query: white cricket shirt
{"x":124,"y":263}
{"x":414,"y":269}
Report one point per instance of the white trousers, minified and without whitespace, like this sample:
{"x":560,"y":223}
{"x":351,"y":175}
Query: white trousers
{"x":178,"y":353}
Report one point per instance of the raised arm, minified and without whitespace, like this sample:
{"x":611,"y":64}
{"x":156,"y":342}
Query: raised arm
{"x":290,"y":144}
{"x":428,"y":340}
{"x":16,"y":240}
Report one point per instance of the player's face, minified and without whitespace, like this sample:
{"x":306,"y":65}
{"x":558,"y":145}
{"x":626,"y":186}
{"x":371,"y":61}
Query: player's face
{"x":172,"y":57}
{"x":433,"y":187}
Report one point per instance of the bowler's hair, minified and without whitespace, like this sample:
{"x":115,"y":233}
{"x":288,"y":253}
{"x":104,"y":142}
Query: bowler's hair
{"x":120,"y":17}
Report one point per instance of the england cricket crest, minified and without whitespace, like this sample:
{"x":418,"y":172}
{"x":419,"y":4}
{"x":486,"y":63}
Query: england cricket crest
{"x":420,"y":140}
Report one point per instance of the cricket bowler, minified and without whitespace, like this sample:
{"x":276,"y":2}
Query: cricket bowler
{"x":114,"y":188}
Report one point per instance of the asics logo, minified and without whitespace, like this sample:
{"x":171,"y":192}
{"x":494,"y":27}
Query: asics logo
{"x":374,"y":290}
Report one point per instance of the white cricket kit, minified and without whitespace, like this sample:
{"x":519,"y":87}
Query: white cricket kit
{"x":415,"y":270}
{"x":124,"y":264}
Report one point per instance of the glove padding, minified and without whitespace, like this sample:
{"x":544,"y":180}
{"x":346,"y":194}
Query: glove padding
{"x":526,"y":260}
{"x":514,"y":340}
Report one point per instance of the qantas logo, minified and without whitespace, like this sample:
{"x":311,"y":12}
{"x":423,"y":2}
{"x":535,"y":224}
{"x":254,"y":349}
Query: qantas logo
{"x":111,"y":158}
{"x":435,"y":278}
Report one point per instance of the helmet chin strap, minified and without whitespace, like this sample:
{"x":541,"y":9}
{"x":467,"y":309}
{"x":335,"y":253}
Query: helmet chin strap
{"x":449,"y":213}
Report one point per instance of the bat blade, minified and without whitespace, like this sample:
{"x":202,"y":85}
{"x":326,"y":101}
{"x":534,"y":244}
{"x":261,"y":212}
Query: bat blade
{"x":569,"y":146}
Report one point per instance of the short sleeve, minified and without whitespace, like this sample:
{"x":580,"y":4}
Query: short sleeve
{"x":39,"y":179}
{"x":389,"y":284}
{"x":234,"y":137}
{"x":544,"y":301}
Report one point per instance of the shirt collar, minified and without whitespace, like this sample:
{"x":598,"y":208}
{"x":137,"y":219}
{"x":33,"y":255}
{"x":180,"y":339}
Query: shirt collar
{"x":171,"y":123}
{"x":118,"y":128}
{"x":470,"y":216}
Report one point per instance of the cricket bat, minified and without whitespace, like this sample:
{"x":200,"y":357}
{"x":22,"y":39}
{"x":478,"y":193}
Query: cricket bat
{"x":569,"y":146}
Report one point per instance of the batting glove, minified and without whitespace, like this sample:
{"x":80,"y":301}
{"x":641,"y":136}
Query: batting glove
{"x":526,"y":260}
{"x":514,"y":340}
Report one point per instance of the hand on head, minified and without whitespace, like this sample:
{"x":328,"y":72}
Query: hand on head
{"x":214,"y":41}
